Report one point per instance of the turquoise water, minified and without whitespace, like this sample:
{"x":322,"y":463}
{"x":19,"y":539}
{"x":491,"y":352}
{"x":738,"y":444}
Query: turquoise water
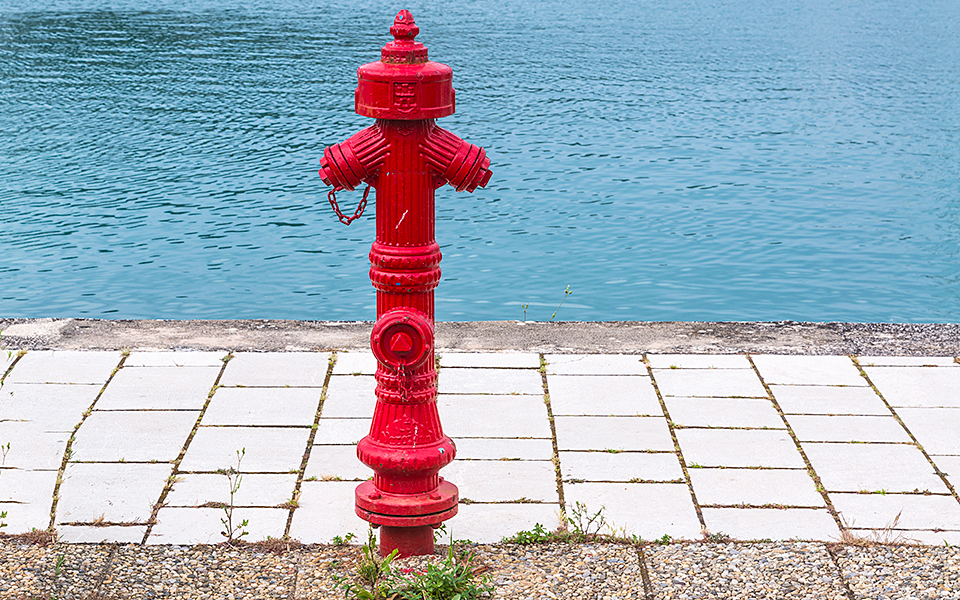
{"x":667,"y":160}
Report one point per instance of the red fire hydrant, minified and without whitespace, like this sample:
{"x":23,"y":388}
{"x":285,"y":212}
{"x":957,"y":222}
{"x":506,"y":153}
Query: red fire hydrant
{"x":405,"y":156}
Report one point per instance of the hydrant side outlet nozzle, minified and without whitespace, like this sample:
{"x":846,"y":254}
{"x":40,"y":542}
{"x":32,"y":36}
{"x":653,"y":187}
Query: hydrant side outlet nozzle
{"x":405,"y":156}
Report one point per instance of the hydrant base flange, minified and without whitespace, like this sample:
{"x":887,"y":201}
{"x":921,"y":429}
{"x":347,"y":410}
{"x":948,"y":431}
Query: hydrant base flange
{"x":406,"y":510}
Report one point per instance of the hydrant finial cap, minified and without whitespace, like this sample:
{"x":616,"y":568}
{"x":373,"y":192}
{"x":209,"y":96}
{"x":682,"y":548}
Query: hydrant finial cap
{"x":404,"y":27}
{"x":404,"y":49}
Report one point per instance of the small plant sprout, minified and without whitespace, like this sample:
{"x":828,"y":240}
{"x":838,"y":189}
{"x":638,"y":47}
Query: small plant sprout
{"x":524,"y":307}
{"x":58,"y":567}
{"x":343,"y":540}
{"x":566,"y":293}
{"x":234,"y":477}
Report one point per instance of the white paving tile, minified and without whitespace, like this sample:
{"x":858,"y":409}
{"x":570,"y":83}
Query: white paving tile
{"x":828,"y":400}
{"x":490,"y":381}
{"x":503,"y":449}
{"x":756,"y":487}
{"x":277,"y":369}
{"x":490,"y":523}
{"x":336,"y":461}
{"x":490,"y":359}
{"x":341,"y":431}
{"x":621,"y":466}
{"x":350,"y":396}
{"x":649,"y":510}
{"x":917,"y":386}
{"x":699,"y":361}
{"x":717,"y":383}
{"x":808,"y":370}
{"x":53,"y":407}
{"x":159,"y":388}
{"x":64,"y":366}
{"x":133,"y":435}
{"x":193,"y":490}
{"x":613,"y":433}
{"x":351,"y":363}
{"x":175,"y":359}
{"x":268,"y":449}
{"x":32,"y":447}
{"x":908,"y":361}
{"x":92,"y":534}
{"x":326,"y":510}
{"x":627,"y":395}
{"x":503,"y":480}
{"x":493,"y":416}
{"x":723,"y":412}
{"x":263,"y":406}
{"x":872,"y":467}
{"x":772,"y":524}
{"x":595,"y":364}
{"x":876,"y":511}
{"x":115,"y":493}
{"x":24,"y":518}
{"x":937,"y":429}
{"x":202,"y":525}
{"x":821,"y":428}
{"x":950,"y":465}
{"x":19,"y":485}
{"x":739,"y":448}
{"x":6,"y":359}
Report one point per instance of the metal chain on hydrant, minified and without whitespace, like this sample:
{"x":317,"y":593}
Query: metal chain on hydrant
{"x":356,"y":214}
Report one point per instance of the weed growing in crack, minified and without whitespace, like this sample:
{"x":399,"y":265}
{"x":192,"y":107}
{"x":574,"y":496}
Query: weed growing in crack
{"x":343,"y":540}
{"x":234,"y":476}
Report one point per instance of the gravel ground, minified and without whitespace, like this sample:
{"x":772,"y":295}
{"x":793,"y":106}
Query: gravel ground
{"x":547,"y":571}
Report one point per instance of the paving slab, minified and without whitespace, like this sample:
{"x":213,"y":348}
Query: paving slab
{"x":493,"y":416}
{"x":917,"y":386}
{"x":877,"y":572}
{"x":175,"y":359}
{"x":739,"y":448}
{"x":699,"y":361}
{"x":6,"y":359}
{"x":504,"y":480}
{"x":341,"y":431}
{"x":263,"y":406}
{"x":503,"y":360}
{"x":490,"y":381}
{"x":32,"y":446}
{"x":623,"y":395}
{"x":936,"y":429}
{"x":808,"y":370}
{"x":820,"y":428}
{"x":828,"y":400}
{"x":490,"y":523}
{"x":193,"y":526}
{"x":64,"y":366}
{"x":54,"y":407}
{"x":772,"y":523}
{"x":268,"y":449}
{"x":329,"y":462}
{"x":111,"y":492}
{"x":132,"y":435}
{"x":709,"y":383}
{"x":755,"y":487}
{"x":276,"y":369}
{"x":908,"y":361}
{"x":159,"y":388}
{"x":872,"y":468}
{"x":898,"y":511}
{"x":649,"y":510}
{"x":350,"y":396}
{"x":621,"y":467}
{"x":784,"y":570}
{"x":595,"y":364}
{"x":20,"y":485}
{"x":613,"y":433}
{"x":723,"y":412}
{"x":503,"y":449}
{"x":26,"y":517}
{"x":321,"y":514}
{"x":193,"y":490}
{"x":93,"y":534}
{"x":950,"y":466}
{"x":361,"y":362}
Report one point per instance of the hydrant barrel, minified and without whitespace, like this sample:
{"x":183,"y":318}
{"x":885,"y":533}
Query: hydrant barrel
{"x":405,"y":156}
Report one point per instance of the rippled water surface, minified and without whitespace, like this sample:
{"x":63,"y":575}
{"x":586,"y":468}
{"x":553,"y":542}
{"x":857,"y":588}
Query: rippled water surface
{"x":667,"y":160}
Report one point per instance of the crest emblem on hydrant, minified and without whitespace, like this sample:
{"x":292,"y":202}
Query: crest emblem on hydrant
{"x":405,"y":156}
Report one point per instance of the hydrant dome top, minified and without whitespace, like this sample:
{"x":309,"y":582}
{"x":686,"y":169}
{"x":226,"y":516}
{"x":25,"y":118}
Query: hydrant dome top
{"x":404,"y":84}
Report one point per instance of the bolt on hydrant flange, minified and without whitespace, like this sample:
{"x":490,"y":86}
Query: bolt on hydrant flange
{"x":405,"y":156}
